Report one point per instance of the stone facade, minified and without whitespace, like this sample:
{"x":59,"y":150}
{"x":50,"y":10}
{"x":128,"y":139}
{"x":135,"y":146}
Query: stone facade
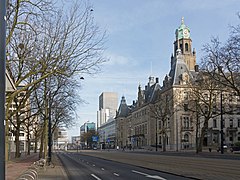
{"x":162,"y":116}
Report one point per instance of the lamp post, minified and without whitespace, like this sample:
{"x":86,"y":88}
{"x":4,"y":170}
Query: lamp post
{"x":49,"y":132}
{"x":156,"y":135}
{"x":2,"y":86}
{"x":221,"y":99}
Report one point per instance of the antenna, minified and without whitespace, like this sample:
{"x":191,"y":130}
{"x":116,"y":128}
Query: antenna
{"x":151,"y":69}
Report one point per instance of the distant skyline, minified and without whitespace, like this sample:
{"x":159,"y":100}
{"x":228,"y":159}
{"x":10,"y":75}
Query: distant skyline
{"x":140,"y":36}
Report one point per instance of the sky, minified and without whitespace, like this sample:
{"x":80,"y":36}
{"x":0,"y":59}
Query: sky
{"x":139,"y":44}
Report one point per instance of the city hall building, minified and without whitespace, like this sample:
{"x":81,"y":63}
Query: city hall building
{"x":161,"y":116}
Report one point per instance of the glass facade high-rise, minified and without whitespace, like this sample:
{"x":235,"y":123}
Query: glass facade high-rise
{"x":108,"y":104}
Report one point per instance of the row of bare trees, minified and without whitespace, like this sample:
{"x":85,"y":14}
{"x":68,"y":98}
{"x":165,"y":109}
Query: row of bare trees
{"x":48,"y":49}
{"x":221,"y":67}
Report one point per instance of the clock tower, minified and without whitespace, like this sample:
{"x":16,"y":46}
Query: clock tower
{"x":183,"y":42}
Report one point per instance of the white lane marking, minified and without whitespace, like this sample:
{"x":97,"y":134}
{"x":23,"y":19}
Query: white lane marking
{"x":116,"y":174}
{"x":140,"y":173}
{"x":149,"y":176}
{"x":102,"y":169}
{"x":93,"y":165}
{"x":93,"y":175}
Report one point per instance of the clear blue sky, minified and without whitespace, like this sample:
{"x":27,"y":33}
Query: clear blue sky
{"x":140,"y":36}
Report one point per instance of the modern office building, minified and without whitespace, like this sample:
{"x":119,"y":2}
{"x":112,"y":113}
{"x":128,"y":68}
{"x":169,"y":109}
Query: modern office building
{"x":60,"y":138}
{"x":108,"y":104}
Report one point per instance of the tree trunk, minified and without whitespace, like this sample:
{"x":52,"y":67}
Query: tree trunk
{"x":45,"y":133}
{"x":17,"y":143}
{"x":197,"y":139}
{"x":203,"y":130}
{"x":41,"y":145}
{"x":35,"y":142}
{"x":28,"y":143}
{"x":164,"y":143}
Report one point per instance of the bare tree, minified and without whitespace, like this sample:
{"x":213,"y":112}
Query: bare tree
{"x":221,"y":60}
{"x":160,"y":111}
{"x":63,"y":45}
{"x":204,"y":102}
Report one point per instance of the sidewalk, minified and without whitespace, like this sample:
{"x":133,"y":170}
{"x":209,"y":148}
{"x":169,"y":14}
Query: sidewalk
{"x":55,"y":171}
{"x":16,"y":167}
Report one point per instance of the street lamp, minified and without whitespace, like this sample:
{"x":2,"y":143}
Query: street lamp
{"x":221,"y":99}
{"x":156,"y":135}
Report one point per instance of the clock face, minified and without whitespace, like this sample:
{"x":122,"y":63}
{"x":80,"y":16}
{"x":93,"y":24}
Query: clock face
{"x":185,"y":33}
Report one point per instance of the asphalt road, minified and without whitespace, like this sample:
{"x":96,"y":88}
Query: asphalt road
{"x":79,"y":166}
{"x":205,"y":165}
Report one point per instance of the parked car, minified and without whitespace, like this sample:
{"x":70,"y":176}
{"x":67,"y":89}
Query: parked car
{"x":235,"y":149}
{"x":224,"y":148}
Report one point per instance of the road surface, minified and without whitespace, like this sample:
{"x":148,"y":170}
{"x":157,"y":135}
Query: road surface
{"x":79,"y":166}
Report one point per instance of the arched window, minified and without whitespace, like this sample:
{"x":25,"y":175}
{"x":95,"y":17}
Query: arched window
{"x":186,"y":46}
{"x":186,"y":138}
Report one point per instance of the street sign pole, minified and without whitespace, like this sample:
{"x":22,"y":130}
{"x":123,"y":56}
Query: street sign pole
{"x":2,"y":86}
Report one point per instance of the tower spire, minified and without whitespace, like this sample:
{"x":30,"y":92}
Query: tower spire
{"x":182,"y":20}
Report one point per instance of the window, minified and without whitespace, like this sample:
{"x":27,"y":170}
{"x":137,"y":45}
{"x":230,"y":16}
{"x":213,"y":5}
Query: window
{"x":186,"y":46}
{"x":214,"y":123}
{"x":186,"y":123}
{"x":159,"y":125}
{"x":186,"y":138}
{"x":239,"y":123}
{"x":181,"y":47}
{"x":223,"y":123}
{"x":238,"y":109}
{"x":230,"y":109}
{"x":230,"y":123}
